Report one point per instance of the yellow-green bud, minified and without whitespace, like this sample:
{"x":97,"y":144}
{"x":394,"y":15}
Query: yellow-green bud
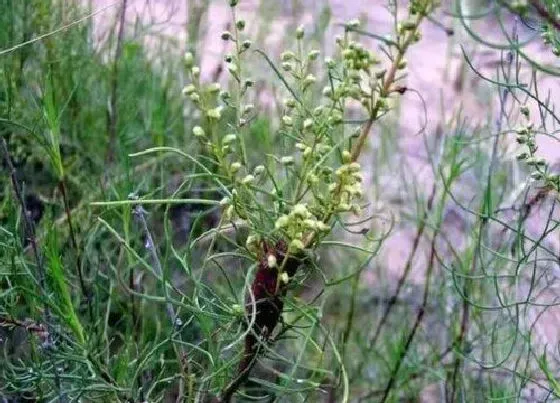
{"x":248,"y":179}
{"x":309,"y":79}
{"x":214,"y":87}
{"x":198,"y":131}
{"x":300,"y":210}
{"x":296,"y":245}
{"x":284,"y":278}
{"x":248,"y":109}
{"x":234,"y":167}
{"x":287,"y":160}
{"x":230,"y":138}
{"x":281,"y":222}
{"x":215,"y":113}
{"x":290,"y":103}
{"x":287,"y":66}
{"x":189,"y":89}
{"x":271,"y":261}
{"x":287,"y":56}
{"x":299,"y":32}
{"x":313,"y":55}
{"x":189,"y":59}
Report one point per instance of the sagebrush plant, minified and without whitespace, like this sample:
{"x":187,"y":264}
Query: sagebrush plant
{"x":164,"y":237}
{"x":289,"y":203}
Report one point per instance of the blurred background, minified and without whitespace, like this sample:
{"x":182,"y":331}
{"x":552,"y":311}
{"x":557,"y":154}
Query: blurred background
{"x":461,"y":263}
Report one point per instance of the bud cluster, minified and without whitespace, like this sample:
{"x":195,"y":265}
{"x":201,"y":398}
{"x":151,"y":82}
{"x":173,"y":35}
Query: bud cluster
{"x":298,"y":223}
{"x":526,"y":136}
{"x":347,"y":188}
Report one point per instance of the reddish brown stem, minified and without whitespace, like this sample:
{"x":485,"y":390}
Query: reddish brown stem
{"x":266,"y":305}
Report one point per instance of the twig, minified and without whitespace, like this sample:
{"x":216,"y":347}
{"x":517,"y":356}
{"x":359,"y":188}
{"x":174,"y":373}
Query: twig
{"x":543,"y":12}
{"x":418,"y":321}
{"x":112,"y":113}
{"x":394,"y":298}
{"x":28,"y":325}
{"x":139,"y":212}
{"x":73,"y":240}
{"x":385,"y":91}
{"x":56,"y":31}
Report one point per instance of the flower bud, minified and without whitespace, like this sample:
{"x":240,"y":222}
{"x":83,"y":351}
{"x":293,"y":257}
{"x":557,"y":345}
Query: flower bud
{"x":284,"y":278}
{"x":331,"y":64}
{"x":232,"y":68}
{"x":246,"y":45}
{"x":318,"y":110}
{"x":287,"y":66}
{"x":214,"y":87}
{"x":248,"y":179}
{"x":282,"y":222}
{"x":195,"y":72}
{"x":308,"y":123}
{"x":234,"y":167}
{"x":240,"y":25}
{"x":296,"y":245}
{"x":353,"y":24}
{"x":299,"y":32}
{"x":230,"y":138}
{"x":287,"y":120}
{"x":198,"y":131}
{"x":226,"y":36}
{"x":228,"y":213}
{"x":313,"y":55}
{"x":536,"y":175}
{"x":290,"y":103}
{"x":287,"y":161}
{"x":308,"y":80}
{"x":259,"y":169}
{"x":346,"y":156}
{"x":215,"y":113}
{"x":189,"y":59}
{"x":189,"y":89}
{"x":271,"y":261}
{"x":248,"y":109}
{"x":287,"y":56}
